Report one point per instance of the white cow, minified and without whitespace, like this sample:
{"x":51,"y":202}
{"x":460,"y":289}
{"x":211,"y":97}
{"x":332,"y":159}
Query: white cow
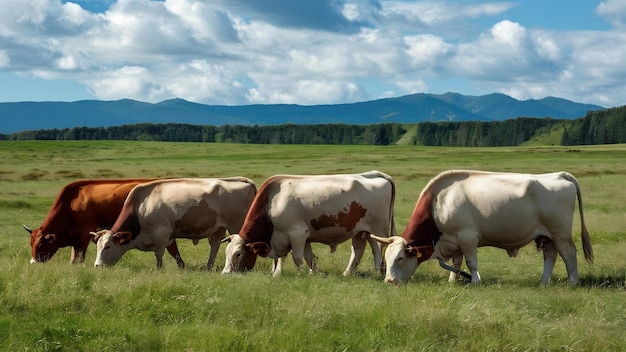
{"x":460,"y":210}
{"x":289,"y":212}
{"x":156,"y":213}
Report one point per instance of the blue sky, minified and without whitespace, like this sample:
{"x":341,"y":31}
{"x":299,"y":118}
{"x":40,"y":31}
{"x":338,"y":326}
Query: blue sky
{"x":311,"y":51}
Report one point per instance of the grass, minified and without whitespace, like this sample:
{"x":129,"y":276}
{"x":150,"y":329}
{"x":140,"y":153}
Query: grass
{"x":132,"y":306}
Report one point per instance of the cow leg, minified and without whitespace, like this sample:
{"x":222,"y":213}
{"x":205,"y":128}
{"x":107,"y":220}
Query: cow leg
{"x":298,"y":246}
{"x":214,"y":243}
{"x":172,"y":249}
{"x":549,"y":259}
{"x":468,"y":241}
{"x":159,"y":257}
{"x":567,"y":250}
{"x":309,"y":257}
{"x":377,"y":253}
{"x":457,"y":261}
{"x":358,"y":248}
{"x":277,"y":269}
{"x":78,"y":255}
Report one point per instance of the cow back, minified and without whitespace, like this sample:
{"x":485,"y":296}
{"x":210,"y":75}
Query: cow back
{"x":188,"y":205}
{"x":330,"y":207}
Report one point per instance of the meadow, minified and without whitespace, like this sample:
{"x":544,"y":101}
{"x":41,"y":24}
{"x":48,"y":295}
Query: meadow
{"x":135,"y":307}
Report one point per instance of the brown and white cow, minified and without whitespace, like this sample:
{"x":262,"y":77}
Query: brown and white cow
{"x":158,"y":212}
{"x":289,"y":212}
{"x":460,"y":210}
{"x":81,"y":207}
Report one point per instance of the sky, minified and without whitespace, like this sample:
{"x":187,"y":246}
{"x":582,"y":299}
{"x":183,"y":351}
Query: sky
{"x":308,"y":52}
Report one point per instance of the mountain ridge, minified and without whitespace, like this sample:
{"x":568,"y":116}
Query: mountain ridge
{"x":413,"y":108}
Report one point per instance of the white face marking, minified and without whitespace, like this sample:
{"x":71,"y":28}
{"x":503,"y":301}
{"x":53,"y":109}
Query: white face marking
{"x":400,"y":265}
{"x":235,"y":250}
{"x":109,"y":251}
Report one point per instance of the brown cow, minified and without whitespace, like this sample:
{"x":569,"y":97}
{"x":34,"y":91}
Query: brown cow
{"x":81,"y":207}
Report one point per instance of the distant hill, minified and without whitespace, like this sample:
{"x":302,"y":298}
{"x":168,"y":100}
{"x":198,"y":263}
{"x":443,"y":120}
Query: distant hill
{"x":22,"y":116}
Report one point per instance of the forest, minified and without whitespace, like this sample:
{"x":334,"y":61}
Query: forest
{"x":597,"y":127}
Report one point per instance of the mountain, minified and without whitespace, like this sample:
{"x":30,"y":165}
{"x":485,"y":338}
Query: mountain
{"x":412,"y":108}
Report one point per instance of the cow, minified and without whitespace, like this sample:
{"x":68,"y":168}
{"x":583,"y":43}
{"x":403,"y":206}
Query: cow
{"x":79,"y":208}
{"x":291,"y":211}
{"x":461,"y":210}
{"x":158,"y":212}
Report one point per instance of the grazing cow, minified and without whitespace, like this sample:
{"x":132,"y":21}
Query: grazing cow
{"x":158,"y":212}
{"x":459,"y":211}
{"x":80,"y":207}
{"x":289,"y":212}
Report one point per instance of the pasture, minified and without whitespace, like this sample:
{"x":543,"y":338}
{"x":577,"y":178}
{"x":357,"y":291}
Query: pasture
{"x":133,"y":306}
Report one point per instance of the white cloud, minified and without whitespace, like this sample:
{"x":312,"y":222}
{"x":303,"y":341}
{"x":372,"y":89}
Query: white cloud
{"x":5,"y":60}
{"x":73,"y":15}
{"x":426,"y":50}
{"x":547,"y":47}
{"x":203,"y":22}
{"x":307,"y":92}
{"x":499,"y":54}
{"x":127,"y":81}
{"x":238,"y":52}
{"x":613,"y":10}
{"x":433,"y":13}
{"x":509,"y":33}
{"x":67,"y":63}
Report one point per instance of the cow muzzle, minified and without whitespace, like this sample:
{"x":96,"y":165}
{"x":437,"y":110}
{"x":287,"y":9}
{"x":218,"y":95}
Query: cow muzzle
{"x":392,"y":280}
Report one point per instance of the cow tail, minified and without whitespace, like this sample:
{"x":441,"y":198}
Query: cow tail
{"x":392,"y":223}
{"x":583,"y":232}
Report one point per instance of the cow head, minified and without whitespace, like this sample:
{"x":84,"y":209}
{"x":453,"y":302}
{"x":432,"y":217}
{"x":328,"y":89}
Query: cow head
{"x":241,"y":256}
{"x":110,"y":246}
{"x":43,"y":245}
{"x":402,"y":259}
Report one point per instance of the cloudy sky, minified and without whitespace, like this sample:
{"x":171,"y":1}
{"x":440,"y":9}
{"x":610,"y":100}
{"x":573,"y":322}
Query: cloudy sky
{"x":311,"y":51}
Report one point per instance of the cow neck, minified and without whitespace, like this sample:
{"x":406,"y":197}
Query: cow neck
{"x":56,"y":221}
{"x":127,"y":220}
{"x":258,"y":226}
{"x":421,"y":229}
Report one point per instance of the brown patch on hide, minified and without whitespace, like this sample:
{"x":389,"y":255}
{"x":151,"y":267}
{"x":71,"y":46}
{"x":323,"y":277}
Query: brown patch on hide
{"x":345,"y":218}
{"x":197,"y":219}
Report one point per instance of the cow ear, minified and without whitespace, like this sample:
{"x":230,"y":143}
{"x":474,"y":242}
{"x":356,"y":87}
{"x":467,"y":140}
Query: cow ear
{"x":421,"y":252}
{"x":424,"y":253}
{"x":123,"y":237}
{"x":259,"y":248}
{"x":50,"y":237}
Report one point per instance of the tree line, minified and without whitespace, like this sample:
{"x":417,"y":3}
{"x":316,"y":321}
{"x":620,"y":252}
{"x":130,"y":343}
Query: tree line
{"x":480,"y":134}
{"x":597,"y":127}
{"x":376,"y":134}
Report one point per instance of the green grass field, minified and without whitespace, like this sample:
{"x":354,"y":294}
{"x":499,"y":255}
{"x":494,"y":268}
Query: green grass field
{"x":134,"y":307}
